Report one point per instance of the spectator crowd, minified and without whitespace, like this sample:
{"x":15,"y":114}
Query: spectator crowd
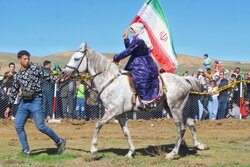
{"x":218,"y":100}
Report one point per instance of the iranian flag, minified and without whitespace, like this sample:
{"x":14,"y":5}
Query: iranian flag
{"x":154,"y":20}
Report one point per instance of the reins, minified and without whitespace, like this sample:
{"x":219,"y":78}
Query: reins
{"x":109,"y":82}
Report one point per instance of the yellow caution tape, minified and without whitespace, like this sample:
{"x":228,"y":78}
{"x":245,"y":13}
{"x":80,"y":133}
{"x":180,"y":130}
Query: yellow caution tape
{"x":222,"y":88}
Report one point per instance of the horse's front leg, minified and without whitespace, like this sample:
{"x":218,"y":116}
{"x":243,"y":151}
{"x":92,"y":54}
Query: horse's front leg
{"x":123,"y":123}
{"x":107,"y":116}
{"x":94,"y":142}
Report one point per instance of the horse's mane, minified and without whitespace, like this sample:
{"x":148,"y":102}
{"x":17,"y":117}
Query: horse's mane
{"x":100,"y":63}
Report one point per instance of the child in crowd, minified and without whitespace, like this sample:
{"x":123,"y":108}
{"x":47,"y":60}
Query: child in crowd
{"x":234,"y":111}
{"x":217,"y":67}
{"x":209,"y":73}
{"x":213,"y":102}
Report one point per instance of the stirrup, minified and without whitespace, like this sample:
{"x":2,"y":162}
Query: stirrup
{"x":143,"y":106}
{"x":151,"y":105}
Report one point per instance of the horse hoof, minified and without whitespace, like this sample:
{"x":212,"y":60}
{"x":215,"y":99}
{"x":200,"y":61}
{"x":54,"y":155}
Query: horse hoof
{"x":171,"y":156}
{"x":202,"y":146}
{"x":93,"y":151}
{"x":129,"y":155}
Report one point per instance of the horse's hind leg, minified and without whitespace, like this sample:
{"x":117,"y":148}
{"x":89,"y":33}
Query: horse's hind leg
{"x":181,"y":131}
{"x":176,"y":106}
{"x":107,"y":116}
{"x":192,"y":127}
{"x":123,"y":123}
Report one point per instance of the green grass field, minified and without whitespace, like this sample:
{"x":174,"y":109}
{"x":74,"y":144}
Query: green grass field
{"x":228,"y":141}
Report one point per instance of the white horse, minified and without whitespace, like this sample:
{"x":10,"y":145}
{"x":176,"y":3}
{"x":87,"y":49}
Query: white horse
{"x":115,"y":93}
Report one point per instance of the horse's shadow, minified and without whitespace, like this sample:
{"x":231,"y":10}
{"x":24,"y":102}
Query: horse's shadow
{"x":148,"y":151}
{"x":53,"y":151}
{"x":153,"y":150}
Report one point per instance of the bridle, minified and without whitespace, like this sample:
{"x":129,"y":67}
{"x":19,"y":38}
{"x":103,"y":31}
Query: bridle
{"x":76,"y":69}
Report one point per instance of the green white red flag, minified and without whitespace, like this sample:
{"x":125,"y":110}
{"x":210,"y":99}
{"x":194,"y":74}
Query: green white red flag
{"x":154,"y":20}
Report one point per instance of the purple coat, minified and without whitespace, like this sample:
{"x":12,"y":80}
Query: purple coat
{"x":143,"y":69}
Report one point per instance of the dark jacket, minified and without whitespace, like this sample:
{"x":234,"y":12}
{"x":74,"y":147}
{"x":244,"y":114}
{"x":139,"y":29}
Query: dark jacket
{"x":142,"y":67}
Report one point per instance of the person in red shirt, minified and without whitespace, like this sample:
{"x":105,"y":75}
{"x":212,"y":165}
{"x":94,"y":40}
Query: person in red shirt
{"x":245,"y":112}
{"x":217,"y":66}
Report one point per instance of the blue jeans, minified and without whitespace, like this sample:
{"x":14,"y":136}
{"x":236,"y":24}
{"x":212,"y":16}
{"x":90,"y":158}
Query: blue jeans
{"x":80,"y":108}
{"x":213,"y":108}
{"x":222,"y":110}
{"x":33,"y":108}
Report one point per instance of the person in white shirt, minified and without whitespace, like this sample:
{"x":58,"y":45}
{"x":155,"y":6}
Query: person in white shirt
{"x":213,"y":101}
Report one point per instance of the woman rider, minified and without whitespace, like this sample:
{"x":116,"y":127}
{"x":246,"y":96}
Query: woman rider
{"x":141,"y":65}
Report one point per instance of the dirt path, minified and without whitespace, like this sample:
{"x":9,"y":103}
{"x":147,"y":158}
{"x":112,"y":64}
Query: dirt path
{"x":229,"y":142}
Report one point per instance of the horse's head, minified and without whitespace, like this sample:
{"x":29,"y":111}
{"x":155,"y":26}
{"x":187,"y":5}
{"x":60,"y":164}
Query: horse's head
{"x":78,"y":61}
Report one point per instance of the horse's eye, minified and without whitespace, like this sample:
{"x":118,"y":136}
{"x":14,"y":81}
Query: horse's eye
{"x":76,"y":59}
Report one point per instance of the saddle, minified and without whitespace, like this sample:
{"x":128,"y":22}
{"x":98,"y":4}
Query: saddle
{"x":151,"y":104}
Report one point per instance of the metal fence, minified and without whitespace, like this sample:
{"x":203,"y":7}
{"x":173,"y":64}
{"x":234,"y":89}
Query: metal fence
{"x":201,"y":105}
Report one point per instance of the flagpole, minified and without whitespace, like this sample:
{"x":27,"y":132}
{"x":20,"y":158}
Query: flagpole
{"x":149,"y":2}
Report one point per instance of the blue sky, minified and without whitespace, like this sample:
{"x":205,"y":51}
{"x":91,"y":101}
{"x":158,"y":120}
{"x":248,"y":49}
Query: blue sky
{"x":220,"y":28}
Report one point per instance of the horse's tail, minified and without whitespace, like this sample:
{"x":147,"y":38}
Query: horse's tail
{"x":194,"y":83}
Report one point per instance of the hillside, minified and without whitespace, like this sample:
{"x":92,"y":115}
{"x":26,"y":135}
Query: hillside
{"x":186,"y":62}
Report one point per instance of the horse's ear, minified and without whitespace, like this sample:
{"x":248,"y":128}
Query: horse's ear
{"x":83,"y":46}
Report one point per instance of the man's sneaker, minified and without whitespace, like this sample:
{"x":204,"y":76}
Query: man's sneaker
{"x":61,"y":146}
{"x":24,"y":153}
